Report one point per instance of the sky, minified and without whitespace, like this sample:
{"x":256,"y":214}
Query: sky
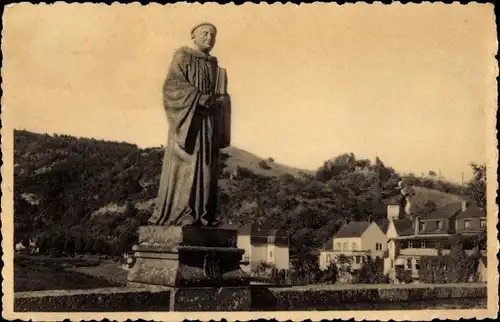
{"x":409,"y":83}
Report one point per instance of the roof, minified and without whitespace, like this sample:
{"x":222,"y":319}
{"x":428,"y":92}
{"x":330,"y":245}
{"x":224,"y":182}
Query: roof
{"x":448,"y":211}
{"x":256,"y":230}
{"x":328,"y":245}
{"x":353,"y":229}
{"x":404,"y":227}
{"x":472,"y":211}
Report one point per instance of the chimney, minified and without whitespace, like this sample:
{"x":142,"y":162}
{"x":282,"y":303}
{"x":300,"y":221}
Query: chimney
{"x":417,"y":224}
{"x":392,"y":212}
{"x":464,"y":205}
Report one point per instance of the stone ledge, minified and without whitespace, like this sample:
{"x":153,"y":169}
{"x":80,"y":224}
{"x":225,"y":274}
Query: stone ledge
{"x":189,"y":235}
{"x":155,"y":248}
{"x":323,"y":297}
{"x":114,"y":299}
{"x":254,"y":298}
{"x":137,"y":299}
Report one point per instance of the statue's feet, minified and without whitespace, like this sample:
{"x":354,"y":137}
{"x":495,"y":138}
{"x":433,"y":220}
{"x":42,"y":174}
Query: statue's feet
{"x":210,"y":224}
{"x":187,"y":221}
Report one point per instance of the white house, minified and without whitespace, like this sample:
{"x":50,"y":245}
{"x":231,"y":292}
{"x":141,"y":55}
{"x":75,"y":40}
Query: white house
{"x":354,"y":242}
{"x":263,"y":245}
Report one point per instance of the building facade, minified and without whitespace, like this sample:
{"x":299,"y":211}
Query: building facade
{"x":352,"y":244}
{"x":263,"y":245}
{"x":413,"y":237}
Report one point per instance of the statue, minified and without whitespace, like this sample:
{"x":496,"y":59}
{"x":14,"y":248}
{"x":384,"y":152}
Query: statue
{"x":198,"y":113}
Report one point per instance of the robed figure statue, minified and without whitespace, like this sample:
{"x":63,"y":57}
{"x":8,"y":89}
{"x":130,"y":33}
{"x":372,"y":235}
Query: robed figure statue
{"x":198,"y":112}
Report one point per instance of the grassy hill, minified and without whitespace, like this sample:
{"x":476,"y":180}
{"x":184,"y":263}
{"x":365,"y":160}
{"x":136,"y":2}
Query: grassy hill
{"x":241,"y":158}
{"x":89,"y":196}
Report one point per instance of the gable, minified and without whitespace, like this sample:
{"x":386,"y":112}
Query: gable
{"x":374,"y":231}
{"x":391,"y":231}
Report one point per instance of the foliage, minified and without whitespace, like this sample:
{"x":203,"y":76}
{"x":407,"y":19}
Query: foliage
{"x":476,"y":188}
{"x":371,"y":272}
{"x":74,"y":179}
{"x":455,"y":267}
{"x":404,"y":275}
{"x":263,"y":164}
{"x":330,"y":274}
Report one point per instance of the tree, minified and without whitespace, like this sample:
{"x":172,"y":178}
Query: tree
{"x":371,"y":272}
{"x":476,"y":188}
{"x":432,"y":173}
{"x":263,"y":164}
{"x":330,"y":275}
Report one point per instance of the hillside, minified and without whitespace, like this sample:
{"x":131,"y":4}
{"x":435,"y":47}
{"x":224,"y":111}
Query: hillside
{"x":89,"y":196}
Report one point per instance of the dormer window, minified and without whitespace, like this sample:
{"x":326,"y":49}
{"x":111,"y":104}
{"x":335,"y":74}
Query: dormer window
{"x":440,"y":225}
{"x":467,"y":224}
{"x":421,"y":226}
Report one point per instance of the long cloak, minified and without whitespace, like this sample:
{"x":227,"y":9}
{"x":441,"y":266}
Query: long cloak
{"x":188,"y":184}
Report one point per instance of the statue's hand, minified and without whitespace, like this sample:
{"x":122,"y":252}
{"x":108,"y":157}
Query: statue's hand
{"x":208,"y":100}
{"x":221,"y":99}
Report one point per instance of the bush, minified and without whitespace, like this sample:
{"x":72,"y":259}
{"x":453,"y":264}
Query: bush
{"x":371,"y":272}
{"x":330,"y":275}
{"x":263,"y":164}
{"x":403,"y":275}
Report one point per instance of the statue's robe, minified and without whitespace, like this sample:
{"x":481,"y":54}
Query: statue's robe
{"x":188,"y":185}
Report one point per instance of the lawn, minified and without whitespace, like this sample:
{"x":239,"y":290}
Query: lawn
{"x":36,"y":273}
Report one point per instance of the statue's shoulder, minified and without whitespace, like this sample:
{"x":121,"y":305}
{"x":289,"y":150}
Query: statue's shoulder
{"x":180,"y":53}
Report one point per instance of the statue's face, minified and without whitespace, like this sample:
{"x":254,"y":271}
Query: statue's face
{"x":204,"y":38}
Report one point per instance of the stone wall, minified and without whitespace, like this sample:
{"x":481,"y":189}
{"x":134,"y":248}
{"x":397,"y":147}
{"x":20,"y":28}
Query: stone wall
{"x":334,"y":297}
{"x":263,"y":298}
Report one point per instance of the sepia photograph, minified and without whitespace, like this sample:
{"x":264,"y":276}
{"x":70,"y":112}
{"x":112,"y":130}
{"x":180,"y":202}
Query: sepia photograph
{"x":208,"y":162}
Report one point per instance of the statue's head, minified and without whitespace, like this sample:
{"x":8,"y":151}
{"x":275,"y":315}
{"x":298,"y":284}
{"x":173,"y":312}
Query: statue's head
{"x":203,"y":36}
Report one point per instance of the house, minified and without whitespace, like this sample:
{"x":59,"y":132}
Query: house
{"x":263,"y":245}
{"x":354,"y":242}
{"x":412,"y":236}
{"x":471,"y":220}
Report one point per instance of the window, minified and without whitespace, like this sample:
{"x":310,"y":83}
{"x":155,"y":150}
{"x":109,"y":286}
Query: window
{"x":440,"y":225}
{"x":408,"y":263}
{"x":392,"y":263}
{"x":423,"y":244}
{"x":378,"y":246}
{"x":358,"y":259}
{"x":345,"y":246}
{"x":328,"y":258}
{"x":417,"y":264}
{"x":338,"y":246}
{"x":467,"y":224}
{"x":421,"y":226}
{"x":270,"y":254}
{"x":483,"y":223}
{"x":410,"y":244}
{"x":353,"y":246}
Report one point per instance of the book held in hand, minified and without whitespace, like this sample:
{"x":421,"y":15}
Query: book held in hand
{"x":225,"y":108}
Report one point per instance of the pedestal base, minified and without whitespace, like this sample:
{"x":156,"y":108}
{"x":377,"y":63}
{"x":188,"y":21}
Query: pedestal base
{"x":187,"y":256}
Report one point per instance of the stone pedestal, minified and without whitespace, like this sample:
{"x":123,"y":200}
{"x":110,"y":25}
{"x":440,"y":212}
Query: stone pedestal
{"x":187,"y":257}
